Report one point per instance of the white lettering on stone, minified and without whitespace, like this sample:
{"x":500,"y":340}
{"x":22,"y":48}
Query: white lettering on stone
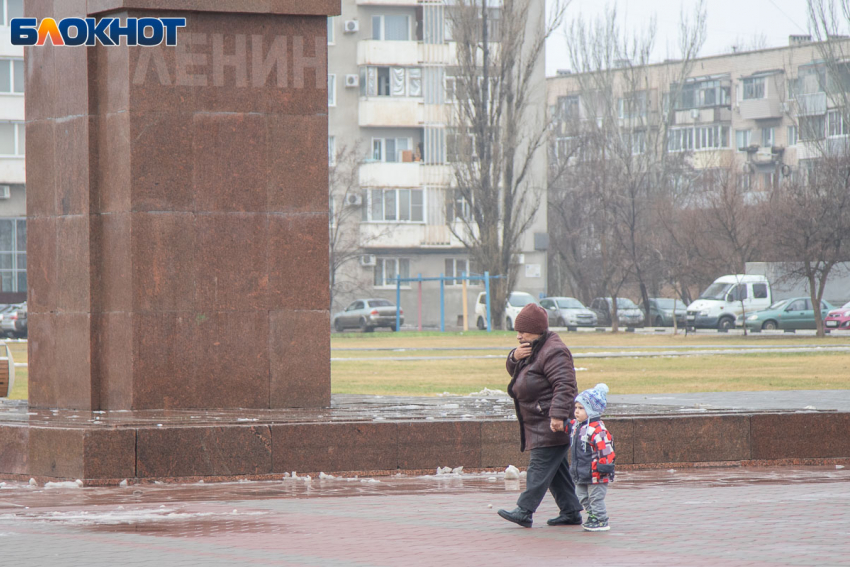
{"x":146,"y":56}
{"x":185,"y":60}
{"x":275,"y":59}
{"x":238,"y":60}
{"x":317,"y":62}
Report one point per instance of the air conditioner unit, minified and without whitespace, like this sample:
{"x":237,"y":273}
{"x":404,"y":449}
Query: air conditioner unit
{"x":351,"y":26}
{"x":352,"y":80}
{"x":695,"y":113}
{"x":5,"y":191}
{"x":367,"y":260}
{"x":353,"y":199}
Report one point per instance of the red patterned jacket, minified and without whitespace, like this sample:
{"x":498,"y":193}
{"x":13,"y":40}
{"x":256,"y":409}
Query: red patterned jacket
{"x":591,"y":453}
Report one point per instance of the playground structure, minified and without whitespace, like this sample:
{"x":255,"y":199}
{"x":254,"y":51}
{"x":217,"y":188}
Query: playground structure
{"x":465,"y":279}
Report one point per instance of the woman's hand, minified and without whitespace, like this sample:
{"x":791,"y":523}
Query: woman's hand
{"x":556,"y":425}
{"x":522,"y":351}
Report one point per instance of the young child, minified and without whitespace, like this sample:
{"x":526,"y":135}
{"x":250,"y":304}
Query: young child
{"x":592,"y":456}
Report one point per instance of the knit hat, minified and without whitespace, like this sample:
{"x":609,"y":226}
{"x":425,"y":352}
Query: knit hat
{"x":532,"y":319}
{"x":594,"y":400}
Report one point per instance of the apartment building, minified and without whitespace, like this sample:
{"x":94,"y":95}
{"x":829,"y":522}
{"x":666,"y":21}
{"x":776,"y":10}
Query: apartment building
{"x":390,"y":91}
{"x":759,"y":110}
{"x":13,"y":209}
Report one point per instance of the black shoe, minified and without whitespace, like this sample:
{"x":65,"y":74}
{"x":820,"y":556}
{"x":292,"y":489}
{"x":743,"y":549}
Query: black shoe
{"x":518,"y":516}
{"x":571,"y":519}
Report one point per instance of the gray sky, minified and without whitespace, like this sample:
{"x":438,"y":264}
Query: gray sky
{"x":729,"y":22}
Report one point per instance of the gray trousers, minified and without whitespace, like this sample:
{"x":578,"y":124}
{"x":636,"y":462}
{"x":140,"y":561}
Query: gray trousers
{"x":592,"y":497}
{"x":548,"y":469}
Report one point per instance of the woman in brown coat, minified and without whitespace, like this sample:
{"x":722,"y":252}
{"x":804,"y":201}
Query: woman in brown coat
{"x":543,"y":386}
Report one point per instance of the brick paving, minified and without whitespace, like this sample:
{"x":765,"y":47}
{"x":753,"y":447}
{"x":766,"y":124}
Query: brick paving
{"x":734,"y":517}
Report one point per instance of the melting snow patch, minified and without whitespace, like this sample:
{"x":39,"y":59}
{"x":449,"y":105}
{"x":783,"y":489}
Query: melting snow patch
{"x":810,"y":407}
{"x":247,"y":419}
{"x":511,"y":473}
{"x":581,"y":369}
{"x":444,"y":470}
{"x":124,"y":483}
{"x":488,"y":392}
{"x":324,"y":476}
{"x":457,"y":470}
{"x":67,"y":484}
{"x":33,"y":482}
{"x":839,"y":467}
{"x":451,"y":406}
{"x":491,"y":478}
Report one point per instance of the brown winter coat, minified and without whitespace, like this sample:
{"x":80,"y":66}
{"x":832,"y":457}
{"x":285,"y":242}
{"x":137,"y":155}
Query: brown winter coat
{"x":543,"y":386}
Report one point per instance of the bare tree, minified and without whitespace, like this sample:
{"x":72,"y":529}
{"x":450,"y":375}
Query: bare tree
{"x":344,"y":217}
{"x":620,"y":97}
{"x":499,"y":128}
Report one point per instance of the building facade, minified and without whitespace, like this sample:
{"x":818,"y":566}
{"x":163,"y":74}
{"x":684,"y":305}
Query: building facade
{"x":13,"y":210}
{"x":764,"y":111}
{"x":390,"y":86}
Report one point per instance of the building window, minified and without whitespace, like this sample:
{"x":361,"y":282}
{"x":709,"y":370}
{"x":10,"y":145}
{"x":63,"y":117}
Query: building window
{"x":331,"y":150}
{"x":391,"y":28}
{"x":711,"y":137}
{"x":11,"y":9}
{"x":835,"y":124}
{"x":754,"y":88}
{"x":11,"y":76}
{"x":12,"y":138}
{"x":742,"y":139}
{"x":703,"y":94}
{"x":633,"y":106}
{"x":388,"y":269}
{"x":638,"y":142}
{"x":396,"y":205}
{"x":331,"y":22}
{"x":792,"y":136}
{"x":391,"y":81}
{"x":331,"y":90}
{"x":768,"y":137}
{"x":812,"y":127}
{"x":457,"y":207}
{"x":13,"y":255}
{"x":391,"y":149}
{"x":456,"y":268}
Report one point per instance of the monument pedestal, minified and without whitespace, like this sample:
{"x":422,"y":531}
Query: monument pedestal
{"x":177,"y":211}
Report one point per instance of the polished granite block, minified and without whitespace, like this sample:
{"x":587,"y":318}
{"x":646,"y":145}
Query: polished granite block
{"x":500,"y":444}
{"x":163,"y":361}
{"x":691,"y":439}
{"x":800,"y":435}
{"x":296,"y":242}
{"x":335,"y":447}
{"x":13,"y":450}
{"x":204,"y":451}
{"x":623,"y":432}
{"x":112,"y":359}
{"x":162,"y":252}
{"x":161,"y":166}
{"x":42,"y":284}
{"x":56,"y":452}
{"x":454,"y":444}
{"x":41,"y":177}
{"x":299,"y":359}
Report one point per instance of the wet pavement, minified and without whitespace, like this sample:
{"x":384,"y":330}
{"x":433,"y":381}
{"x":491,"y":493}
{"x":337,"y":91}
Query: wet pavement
{"x":486,"y":404}
{"x":734,"y":517}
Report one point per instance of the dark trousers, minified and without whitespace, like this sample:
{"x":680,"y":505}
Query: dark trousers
{"x":548,"y":469}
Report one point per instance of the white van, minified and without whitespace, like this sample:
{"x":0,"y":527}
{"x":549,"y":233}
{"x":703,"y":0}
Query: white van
{"x":516,"y":301}
{"x":727,"y":298}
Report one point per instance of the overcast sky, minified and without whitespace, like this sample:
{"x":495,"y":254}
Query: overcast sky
{"x":729,"y":22}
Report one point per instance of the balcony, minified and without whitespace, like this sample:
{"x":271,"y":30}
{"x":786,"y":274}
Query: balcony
{"x":404,"y":53}
{"x":811,"y":104}
{"x":411,"y":3}
{"x":760,"y":108}
{"x":379,"y":174}
{"x":13,"y":170}
{"x":703,"y":116}
{"x":377,"y":235}
{"x":391,"y":112}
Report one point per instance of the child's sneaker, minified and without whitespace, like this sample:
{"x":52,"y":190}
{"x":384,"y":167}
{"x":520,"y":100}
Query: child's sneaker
{"x":594,"y":524}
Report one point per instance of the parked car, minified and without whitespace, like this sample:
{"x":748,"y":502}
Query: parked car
{"x":568,"y":311}
{"x":21,"y":322}
{"x":838,"y":318}
{"x":661,"y":311}
{"x":367,"y":314}
{"x":628,"y":313}
{"x":794,"y":313}
{"x":514,"y":304}
{"x":720,"y":305}
{"x":8,"y":318}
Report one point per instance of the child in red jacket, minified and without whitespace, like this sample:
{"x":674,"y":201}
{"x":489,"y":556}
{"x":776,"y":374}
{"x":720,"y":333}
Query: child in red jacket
{"x":592,"y":456}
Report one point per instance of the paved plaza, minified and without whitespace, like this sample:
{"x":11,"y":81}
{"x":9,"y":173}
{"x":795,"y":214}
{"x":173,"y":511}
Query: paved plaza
{"x":698,"y":517}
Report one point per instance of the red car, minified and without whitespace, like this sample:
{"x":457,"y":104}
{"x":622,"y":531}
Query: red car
{"x":838,"y":318}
